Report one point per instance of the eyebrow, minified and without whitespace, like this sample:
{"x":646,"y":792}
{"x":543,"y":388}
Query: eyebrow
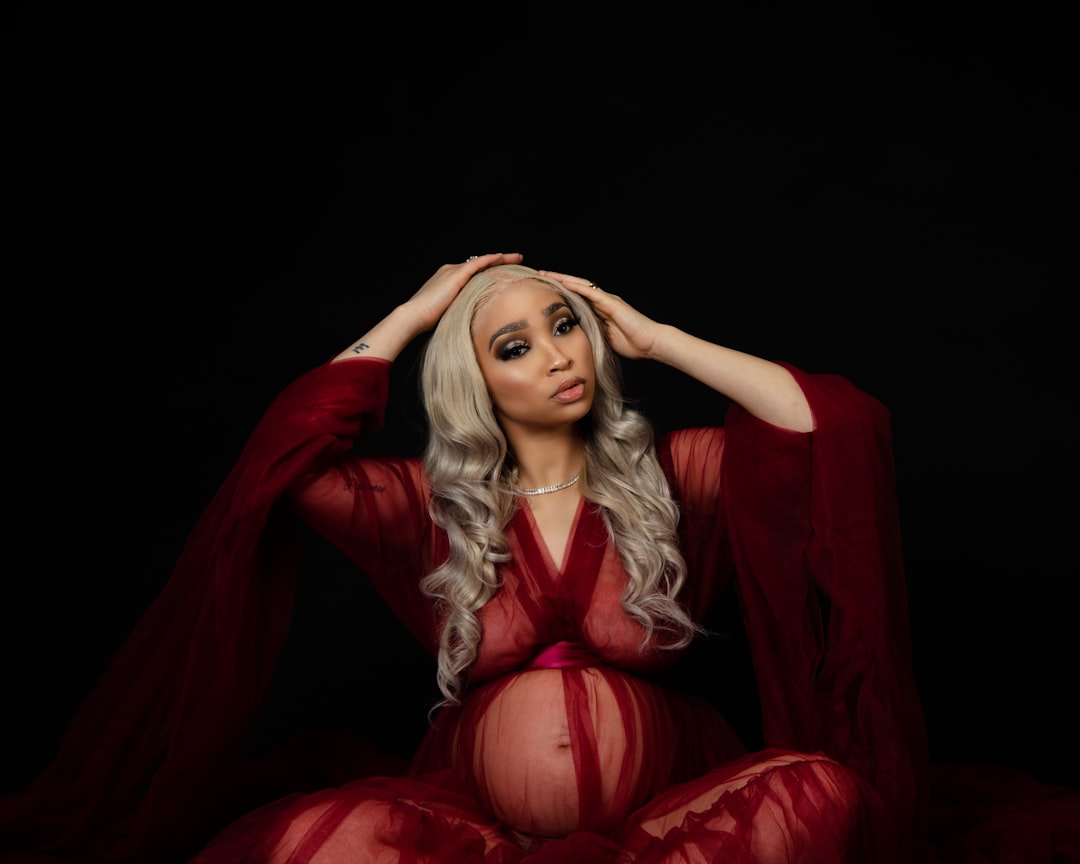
{"x":514,"y":326}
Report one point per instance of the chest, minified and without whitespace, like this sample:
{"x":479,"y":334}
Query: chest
{"x":542,"y":601}
{"x":552,"y":521}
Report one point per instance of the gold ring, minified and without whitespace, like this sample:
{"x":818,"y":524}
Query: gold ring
{"x":594,"y":285}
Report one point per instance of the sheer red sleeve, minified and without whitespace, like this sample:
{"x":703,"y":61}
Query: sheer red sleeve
{"x":814,"y":530}
{"x":809,"y":524}
{"x":143,"y":763}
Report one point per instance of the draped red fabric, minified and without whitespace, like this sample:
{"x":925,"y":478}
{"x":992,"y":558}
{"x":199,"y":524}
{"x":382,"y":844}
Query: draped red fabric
{"x":573,"y":744}
{"x":145,"y":764}
{"x":834,"y":663}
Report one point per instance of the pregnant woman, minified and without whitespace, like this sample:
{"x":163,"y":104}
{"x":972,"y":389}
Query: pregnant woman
{"x":558,"y":559}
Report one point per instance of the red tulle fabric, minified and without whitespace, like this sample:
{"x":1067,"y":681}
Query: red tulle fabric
{"x":572,"y":744}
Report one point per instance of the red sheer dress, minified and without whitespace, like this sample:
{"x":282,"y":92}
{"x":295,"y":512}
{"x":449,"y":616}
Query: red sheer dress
{"x":568,"y":743}
{"x":571,"y":745}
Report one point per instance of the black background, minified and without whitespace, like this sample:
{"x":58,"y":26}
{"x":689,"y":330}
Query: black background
{"x":204,"y":202}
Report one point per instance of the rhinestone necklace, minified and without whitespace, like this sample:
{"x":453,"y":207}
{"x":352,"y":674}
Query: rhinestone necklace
{"x":543,"y":490}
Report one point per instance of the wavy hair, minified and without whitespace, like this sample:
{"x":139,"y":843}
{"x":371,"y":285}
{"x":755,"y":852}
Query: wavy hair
{"x":473,"y":473}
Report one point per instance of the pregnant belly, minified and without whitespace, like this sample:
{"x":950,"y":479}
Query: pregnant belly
{"x":556,"y":750}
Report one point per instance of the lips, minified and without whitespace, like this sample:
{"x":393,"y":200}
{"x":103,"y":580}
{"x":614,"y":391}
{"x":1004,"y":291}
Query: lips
{"x":570,"y":390}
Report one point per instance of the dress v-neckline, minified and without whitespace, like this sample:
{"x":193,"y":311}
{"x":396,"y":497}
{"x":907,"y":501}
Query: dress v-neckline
{"x":557,"y":566}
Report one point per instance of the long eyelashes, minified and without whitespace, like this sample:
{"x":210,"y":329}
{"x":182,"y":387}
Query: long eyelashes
{"x":566,"y":325}
{"x":512,"y":350}
{"x":519,"y":347}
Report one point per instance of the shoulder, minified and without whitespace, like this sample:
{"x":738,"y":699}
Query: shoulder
{"x":692,"y":460}
{"x":694,"y":448}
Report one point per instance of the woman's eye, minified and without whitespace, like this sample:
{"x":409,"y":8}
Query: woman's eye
{"x":512,"y":350}
{"x":566,"y":325}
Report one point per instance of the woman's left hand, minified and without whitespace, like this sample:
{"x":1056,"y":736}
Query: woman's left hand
{"x":629,"y":332}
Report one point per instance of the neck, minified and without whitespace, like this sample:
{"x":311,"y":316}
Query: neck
{"x":546,"y":460}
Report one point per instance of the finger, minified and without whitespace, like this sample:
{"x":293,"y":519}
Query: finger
{"x":576,"y":283}
{"x":490,"y":257}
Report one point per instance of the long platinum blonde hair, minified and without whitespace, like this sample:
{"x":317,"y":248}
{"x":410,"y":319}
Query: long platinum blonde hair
{"x":472,"y":474}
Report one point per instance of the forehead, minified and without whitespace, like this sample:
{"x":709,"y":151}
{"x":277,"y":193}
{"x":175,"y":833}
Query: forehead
{"x":523,"y":299}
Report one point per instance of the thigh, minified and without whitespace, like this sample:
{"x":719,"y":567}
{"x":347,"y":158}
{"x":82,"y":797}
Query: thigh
{"x":772,"y":806}
{"x":376,"y":821}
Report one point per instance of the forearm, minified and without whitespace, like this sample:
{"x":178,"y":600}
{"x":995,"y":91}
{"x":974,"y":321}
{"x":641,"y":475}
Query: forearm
{"x":764,"y":388}
{"x":388,"y":338}
{"x":423,"y":310}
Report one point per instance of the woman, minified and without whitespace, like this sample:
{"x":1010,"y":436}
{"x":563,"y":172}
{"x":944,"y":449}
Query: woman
{"x":558,"y":562}
{"x":537,"y":546}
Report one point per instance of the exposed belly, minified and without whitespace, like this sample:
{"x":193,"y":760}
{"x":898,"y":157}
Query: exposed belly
{"x":557,"y":750}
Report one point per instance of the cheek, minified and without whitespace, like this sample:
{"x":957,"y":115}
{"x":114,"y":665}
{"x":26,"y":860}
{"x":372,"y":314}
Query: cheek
{"x":582,"y":347}
{"x":586,"y":359}
{"x":507,"y":383}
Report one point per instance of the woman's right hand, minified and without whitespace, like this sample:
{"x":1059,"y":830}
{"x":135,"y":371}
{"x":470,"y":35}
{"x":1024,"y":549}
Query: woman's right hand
{"x":435,"y":295}
{"x":422,"y":311}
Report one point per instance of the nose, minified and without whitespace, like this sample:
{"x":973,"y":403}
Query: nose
{"x":559,"y":361}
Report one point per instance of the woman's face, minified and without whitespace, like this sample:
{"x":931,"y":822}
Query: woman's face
{"x":534,"y":356}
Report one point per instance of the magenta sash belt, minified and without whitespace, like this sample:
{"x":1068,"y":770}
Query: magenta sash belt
{"x":564,"y":655}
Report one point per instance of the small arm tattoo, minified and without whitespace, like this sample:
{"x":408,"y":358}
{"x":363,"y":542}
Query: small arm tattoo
{"x":363,"y":346}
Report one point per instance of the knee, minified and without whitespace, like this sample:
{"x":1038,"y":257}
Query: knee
{"x":816,"y":778}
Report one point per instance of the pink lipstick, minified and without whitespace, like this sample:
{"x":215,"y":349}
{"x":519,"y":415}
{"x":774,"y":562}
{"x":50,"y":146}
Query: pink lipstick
{"x":570,"y":390}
